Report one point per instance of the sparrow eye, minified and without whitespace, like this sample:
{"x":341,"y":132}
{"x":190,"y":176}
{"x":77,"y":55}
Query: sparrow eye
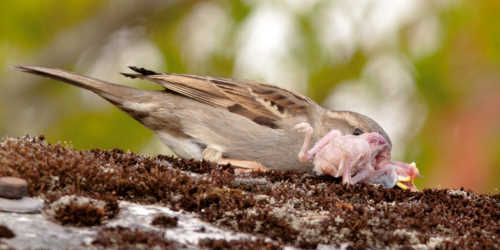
{"x":357,"y":131}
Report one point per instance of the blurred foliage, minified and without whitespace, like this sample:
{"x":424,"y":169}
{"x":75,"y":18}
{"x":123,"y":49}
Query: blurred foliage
{"x":29,"y":24}
{"x":460,"y":72}
{"x":116,"y":132}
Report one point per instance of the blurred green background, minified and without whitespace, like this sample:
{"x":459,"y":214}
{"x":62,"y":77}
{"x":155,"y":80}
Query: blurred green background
{"x":427,"y":71}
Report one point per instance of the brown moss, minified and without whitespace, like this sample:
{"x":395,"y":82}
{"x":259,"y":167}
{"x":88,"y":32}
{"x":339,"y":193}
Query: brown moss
{"x":5,"y":232}
{"x":237,"y":244}
{"x":165,"y":221}
{"x":125,"y":238}
{"x":80,"y":215}
{"x":280,"y":206}
{"x":82,"y":211}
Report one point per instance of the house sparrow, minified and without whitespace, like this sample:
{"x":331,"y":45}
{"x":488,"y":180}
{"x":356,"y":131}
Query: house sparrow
{"x":247,"y":124}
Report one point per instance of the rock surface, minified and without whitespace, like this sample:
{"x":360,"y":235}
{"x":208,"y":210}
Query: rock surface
{"x":109,"y":199}
{"x":24,"y":205}
{"x":36,"y":231}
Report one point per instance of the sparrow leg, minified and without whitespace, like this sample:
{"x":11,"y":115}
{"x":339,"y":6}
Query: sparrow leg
{"x":213,"y":155}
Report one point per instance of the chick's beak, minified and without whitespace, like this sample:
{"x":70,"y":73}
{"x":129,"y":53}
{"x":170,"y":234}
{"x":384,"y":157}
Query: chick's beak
{"x":406,"y":183}
{"x":406,"y":176}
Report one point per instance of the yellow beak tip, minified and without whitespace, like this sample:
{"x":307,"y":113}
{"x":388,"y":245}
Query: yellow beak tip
{"x":402,"y":186}
{"x":404,"y":179}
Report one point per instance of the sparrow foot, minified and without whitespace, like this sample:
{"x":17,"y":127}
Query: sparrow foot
{"x":211,"y":155}
{"x":240,"y":166}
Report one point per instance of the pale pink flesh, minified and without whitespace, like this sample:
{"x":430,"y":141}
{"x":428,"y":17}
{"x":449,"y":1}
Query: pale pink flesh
{"x":364,"y":158}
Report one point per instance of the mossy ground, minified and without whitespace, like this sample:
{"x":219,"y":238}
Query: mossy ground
{"x":290,"y":208}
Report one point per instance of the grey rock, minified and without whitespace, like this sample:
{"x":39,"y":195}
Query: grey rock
{"x":24,"y":205}
{"x":13,"y":187}
{"x":37,"y":231}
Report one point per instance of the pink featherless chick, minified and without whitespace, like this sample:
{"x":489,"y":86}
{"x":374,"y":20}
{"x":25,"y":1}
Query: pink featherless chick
{"x":356,"y":158}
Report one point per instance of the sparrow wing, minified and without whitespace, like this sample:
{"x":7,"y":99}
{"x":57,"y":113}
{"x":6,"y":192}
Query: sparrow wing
{"x":261,"y":103}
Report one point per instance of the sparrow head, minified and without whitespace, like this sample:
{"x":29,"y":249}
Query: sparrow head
{"x":397,"y":173}
{"x":353,"y":123}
